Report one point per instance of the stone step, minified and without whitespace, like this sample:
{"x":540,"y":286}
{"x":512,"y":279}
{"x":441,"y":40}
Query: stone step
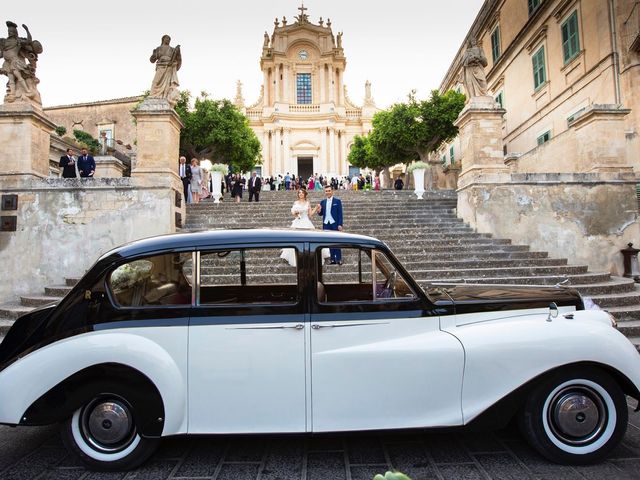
{"x":630,"y":328}
{"x":617,"y":300}
{"x":71,"y":281}
{"x":626,"y":313}
{"x":57,"y":290}
{"x":616,"y":285}
{"x":37,"y":300}
{"x":574,"y":280}
{"x":12,"y":310}
{"x":5,"y":325}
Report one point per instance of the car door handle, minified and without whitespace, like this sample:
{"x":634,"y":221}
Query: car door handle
{"x":298,"y":326}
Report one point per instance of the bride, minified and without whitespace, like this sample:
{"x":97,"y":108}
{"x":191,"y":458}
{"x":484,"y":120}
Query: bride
{"x":302,"y":211}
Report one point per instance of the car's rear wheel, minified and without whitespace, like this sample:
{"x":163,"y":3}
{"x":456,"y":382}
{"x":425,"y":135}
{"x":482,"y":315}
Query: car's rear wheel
{"x":575,"y":417}
{"x":103,"y":434}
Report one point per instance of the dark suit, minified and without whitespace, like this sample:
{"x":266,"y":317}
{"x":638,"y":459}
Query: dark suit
{"x":186,"y":180}
{"x":255,"y":184}
{"x":86,"y":166}
{"x":68,"y":168}
{"x":336,"y":213}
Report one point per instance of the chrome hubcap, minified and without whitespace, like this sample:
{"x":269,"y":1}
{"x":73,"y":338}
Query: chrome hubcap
{"x":577,"y":415}
{"x":108,"y":425}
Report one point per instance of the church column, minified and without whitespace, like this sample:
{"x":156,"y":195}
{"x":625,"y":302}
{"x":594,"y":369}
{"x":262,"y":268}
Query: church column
{"x":332,"y":149}
{"x":322,"y":85}
{"x":267,"y":86}
{"x":286,"y":92}
{"x":278,"y":149}
{"x":331,"y":85}
{"x":286,"y":156}
{"x":276,"y":95}
{"x":345,"y":151}
{"x":266,"y":161}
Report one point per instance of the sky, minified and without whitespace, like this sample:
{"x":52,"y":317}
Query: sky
{"x":95,"y":51}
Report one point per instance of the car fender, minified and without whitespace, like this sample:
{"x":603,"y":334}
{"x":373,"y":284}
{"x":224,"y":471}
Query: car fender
{"x":505,"y":354}
{"x":157,"y":353}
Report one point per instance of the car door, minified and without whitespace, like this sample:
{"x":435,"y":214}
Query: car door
{"x":247,"y":344}
{"x":379,"y":359}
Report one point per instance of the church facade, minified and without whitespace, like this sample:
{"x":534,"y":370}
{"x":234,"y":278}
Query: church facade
{"x":304,"y":117}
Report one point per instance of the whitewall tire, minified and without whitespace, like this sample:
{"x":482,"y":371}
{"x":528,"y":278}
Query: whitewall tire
{"x":575,"y":417}
{"x":103,"y":434}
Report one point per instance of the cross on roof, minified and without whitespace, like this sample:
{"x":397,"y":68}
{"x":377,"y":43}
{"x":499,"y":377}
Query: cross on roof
{"x":302,"y":9}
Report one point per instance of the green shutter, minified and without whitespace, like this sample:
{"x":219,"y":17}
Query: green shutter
{"x":495,"y":44}
{"x":539,"y":68}
{"x":570,"y":37}
{"x":451,"y":155}
{"x":533,"y":5}
{"x":500,"y":99}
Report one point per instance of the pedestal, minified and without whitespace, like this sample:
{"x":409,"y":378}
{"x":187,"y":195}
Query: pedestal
{"x":158,"y":133}
{"x":480,"y":133}
{"x":418,"y":180}
{"x":25,"y":137}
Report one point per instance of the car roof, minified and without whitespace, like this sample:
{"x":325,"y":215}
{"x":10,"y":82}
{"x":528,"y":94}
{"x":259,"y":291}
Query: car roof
{"x":211,"y":238}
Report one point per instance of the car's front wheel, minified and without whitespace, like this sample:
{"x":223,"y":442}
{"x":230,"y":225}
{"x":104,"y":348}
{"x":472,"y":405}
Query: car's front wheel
{"x":103,"y":434}
{"x":575,"y":416}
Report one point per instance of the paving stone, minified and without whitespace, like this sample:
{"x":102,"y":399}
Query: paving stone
{"x":105,"y":476}
{"x":481,"y":442}
{"x":174,"y":447}
{"x":324,"y":443}
{"x":35,"y":464}
{"x":326,"y":465}
{"x":16,"y":443}
{"x":284,"y":461}
{"x":203,"y":459}
{"x":604,"y":471}
{"x":502,"y":466}
{"x":64,"y":474}
{"x":631,"y":468}
{"x":540,"y":466}
{"x":236,"y":471}
{"x":367,"y":472}
{"x":153,"y":470}
{"x":461,"y":472}
{"x":246,"y":450}
{"x":411,"y":460}
{"x":446,"y":449}
{"x":367,"y":450}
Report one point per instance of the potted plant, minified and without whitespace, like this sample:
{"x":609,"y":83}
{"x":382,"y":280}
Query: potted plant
{"x":418,"y":169}
{"x":218,"y":170}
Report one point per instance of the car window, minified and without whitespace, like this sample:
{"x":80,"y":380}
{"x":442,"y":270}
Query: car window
{"x":158,"y":280}
{"x":363,"y":275}
{"x":249,"y":276}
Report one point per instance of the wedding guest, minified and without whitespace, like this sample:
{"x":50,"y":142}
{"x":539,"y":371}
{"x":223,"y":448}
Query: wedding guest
{"x":330,"y":209}
{"x":255,"y":185}
{"x":196,"y":180}
{"x":184,"y":171}
{"x":236,"y":189}
{"x":68,"y":165}
{"x":86,"y":164}
{"x":398,"y":184}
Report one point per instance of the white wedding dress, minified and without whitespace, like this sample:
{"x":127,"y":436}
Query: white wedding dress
{"x":302,"y":221}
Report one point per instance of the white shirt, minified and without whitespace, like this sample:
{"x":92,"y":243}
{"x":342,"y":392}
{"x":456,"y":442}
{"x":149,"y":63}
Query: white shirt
{"x":182,"y":169}
{"x":328,"y":218}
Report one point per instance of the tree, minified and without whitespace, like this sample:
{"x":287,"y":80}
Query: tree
{"x":216,"y":129}
{"x":362,"y":154}
{"x":411,"y":131}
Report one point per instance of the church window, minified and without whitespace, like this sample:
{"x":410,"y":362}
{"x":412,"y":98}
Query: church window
{"x":495,"y":44}
{"x":452,"y":157}
{"x":539,"y":68}
{"x":570,"y":38}
{"x":533,"y":6}
{"x":303,"y":84}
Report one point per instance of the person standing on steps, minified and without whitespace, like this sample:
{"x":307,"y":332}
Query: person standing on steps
{"x":86,"y":164}
{"x":184,"y":171}
{"x":68,"y":165}
{"x":330,"y":209}
{"x":255,"y":185}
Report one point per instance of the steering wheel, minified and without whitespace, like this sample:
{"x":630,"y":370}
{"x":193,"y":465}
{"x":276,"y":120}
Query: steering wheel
{"x":389,"y":289}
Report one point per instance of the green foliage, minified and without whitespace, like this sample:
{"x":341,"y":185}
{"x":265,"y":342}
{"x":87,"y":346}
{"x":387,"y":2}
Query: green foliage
{"x":363,"y":155}
{"x":416,"y":166}
{"x":216,"y":129}
{"x":87,"y":140}
{"x":392,"y":476}
{"x":410,"y":131}
{"x":60,"y":130}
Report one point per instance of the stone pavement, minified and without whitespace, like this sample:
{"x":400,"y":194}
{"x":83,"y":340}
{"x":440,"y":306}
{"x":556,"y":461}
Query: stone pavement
{"x":37,"y":454}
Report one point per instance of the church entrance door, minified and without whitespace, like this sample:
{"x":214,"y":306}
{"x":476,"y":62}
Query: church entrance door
{"x":305,"y":167}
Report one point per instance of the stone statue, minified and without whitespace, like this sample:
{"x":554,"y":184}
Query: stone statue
{"x":239,"y":100}
{"x":368,"y":98}
{"x":266,"y":40}
{"x":168,"y":61}
{"x":20,"y":61}
{"x":321,"y":22}
{"x":276,"y":22}
{"x":339,"y":38}
{"x":284,"y":21}
{"x":473,"y":65}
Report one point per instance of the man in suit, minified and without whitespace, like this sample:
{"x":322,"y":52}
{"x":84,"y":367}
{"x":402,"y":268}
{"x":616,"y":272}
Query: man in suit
{"x":86,"y":164}
{"x":255,"y":184}
{"x":330,"y":209}
{"x":184,"y":171}
{"x":68,"y":164}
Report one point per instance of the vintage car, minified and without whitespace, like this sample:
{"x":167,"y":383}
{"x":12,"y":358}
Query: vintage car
{"x":214,"y":333}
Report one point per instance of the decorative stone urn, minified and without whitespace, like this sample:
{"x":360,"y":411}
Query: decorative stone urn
{"x":216,"y":184}
{"x":418,"y":181}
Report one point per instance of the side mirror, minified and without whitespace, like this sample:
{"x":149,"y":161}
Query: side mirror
{"x":553,"y":311}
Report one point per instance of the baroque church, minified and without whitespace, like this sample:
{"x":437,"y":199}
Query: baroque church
{"x":304,"y":117}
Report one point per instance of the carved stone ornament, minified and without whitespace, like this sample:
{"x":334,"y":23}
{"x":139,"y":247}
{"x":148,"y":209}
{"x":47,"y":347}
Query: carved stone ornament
{"x":20,"y":61}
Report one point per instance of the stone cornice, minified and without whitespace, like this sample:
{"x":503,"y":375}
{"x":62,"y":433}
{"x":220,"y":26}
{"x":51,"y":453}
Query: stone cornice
{"x":96,"y":103}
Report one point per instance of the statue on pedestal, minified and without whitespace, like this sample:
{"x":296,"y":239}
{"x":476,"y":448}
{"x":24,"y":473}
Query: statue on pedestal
{"x":168,"y":61}
{"x":20,"y":61}
{"x":368,"y":98}
{"x":473,"y":75}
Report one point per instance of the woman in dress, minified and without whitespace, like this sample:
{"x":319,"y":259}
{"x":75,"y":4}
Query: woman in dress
{"x":196,"y":180}
{"x":236,"y":189}
{"x":301,"y":211}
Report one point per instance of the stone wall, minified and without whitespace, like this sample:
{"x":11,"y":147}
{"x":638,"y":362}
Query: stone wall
{"x":64,"y":225}
{"x":585,"y":217}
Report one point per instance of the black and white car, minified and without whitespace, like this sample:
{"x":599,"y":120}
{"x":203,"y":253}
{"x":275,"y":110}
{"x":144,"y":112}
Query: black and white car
{"x":211,"y":333}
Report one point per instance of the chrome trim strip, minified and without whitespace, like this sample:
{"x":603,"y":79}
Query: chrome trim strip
{"x":196,"y":281}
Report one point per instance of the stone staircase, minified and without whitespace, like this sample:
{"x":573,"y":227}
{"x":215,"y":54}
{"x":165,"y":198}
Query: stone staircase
{"x":431,"y":242}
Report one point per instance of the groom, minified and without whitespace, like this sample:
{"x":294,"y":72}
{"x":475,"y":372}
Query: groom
{"x":330,"y":209}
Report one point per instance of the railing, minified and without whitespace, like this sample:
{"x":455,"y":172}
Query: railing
{"x":632,"y":28}
{"x":304,"y":108}
{"x":254,"y":113}
{"x":354,"y":112}
{"x":109,"y":146}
